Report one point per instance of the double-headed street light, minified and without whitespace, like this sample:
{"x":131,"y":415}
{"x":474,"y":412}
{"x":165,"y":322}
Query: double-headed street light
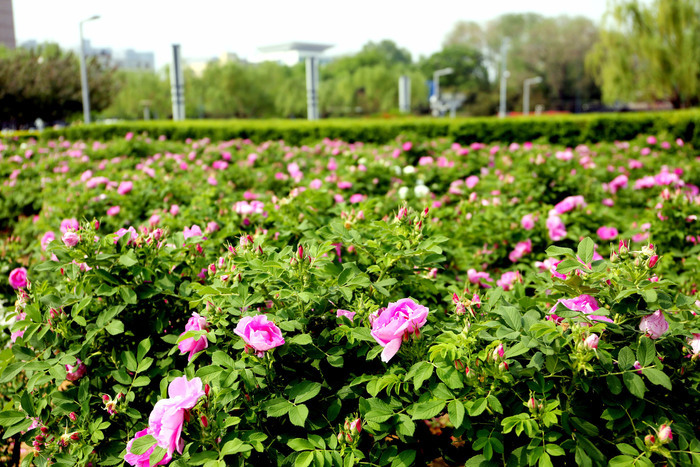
{"x":436,"y":80}
{"x":526,"y":92}
{"x":83,"y":72}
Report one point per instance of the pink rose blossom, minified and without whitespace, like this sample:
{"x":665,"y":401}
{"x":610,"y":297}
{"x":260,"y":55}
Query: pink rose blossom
{"x":71,"y":239}
{"x":583,"y":303}
{"x":694,"y":343}
{"x":348,"y":314}
{"x":569,"y":203}
{"x":591,"y":341}
{"x":471,"y":181}
{"x":508,"y":278}
{"x":74,"y":373}
{"x":195,"y":231}
{"x":17,"y":334}
{"x":191,"y":344}
{"x":259,"y":333}
{"x":528,"y":221}
{"x":18,"y":278}
{"x":400,"y":318}
{"x":477,"y":278}
{"x":69,"y":224}
{"x":142,"y":460}
{"x":46,"y":239}
{"x":174,"y":209}
{"x":125,"y":187}
{"x":556,"y":227}
{"x":113,"y":211}
{"x":521,"y":249}
{"x":607,"y":233}
{"x":654,"y":325}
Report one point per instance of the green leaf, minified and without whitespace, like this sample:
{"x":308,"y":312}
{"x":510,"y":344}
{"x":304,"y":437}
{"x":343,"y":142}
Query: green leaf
{"x":235,"y":446}
{"x":614,"y":384}
{"x":143,"y":348}
{"x":404,"y":459}
{"x":300,"y":444}
{"x":495,"y":404}
{"x":428,"y":409}
{"x":627,"y":449}
{"x":657,"y":377}
{"x":304,"y":459}
{"x":302,"y":392}
{"x":625,"y":359}
{"x":298,"y":414}
{"x":128,"y":295}
{"x":634,"y":384}
{"x":301,"y":339}
{"x":478,"y":407}
{"x":423,"y":371}
{"x":277,"y":407}
{"x":584,"y":426}
{"x":555,"y":450}
{"x":621,"y":461}
{"x":646,"y":351}
{"x":128,"y":259}
{"x":142,"y":444}
{"x":585,"y":250}
{"x":554,"y":250}
{"x":511,"y":316}
{"x":455,"y":410}
{"x":115,"y":327}
{"x":10,"y":417}
{"x":157,"y":455}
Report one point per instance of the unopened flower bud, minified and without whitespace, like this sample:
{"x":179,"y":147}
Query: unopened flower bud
{"x":665,"y":434}
{"x":591,"y":341}
{"x":652,"y":261}
{"x":531,"y":404}
{"x":649,"y":440}
{"x":503,"y":367}
{"x":75,"y":436}
{"x":72,"y":416}
{"x":300,"y":252}
{"x":207,"y":388}
{"x":205,"y":422}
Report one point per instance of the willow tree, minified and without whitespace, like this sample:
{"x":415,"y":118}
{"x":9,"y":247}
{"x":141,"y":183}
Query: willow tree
{"x":649,"y":51}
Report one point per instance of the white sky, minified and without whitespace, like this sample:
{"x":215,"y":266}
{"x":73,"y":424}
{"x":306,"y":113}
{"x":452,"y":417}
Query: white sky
{"x":206,"y":28}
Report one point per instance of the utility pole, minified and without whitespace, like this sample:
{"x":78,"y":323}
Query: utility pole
{"x":83,"y":73}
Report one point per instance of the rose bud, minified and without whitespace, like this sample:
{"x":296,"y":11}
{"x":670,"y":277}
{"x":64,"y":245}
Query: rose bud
{"x":649,"y":440}
{"x":652,"y":261}
{"x":665,"y":434}
{"x":591,"y":341}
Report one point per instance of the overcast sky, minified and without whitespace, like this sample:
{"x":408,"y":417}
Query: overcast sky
{"x":206,"y":28}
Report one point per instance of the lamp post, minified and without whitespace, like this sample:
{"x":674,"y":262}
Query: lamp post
{"x":436,"y":79}
{"x":526,"y":92}
{"x":504,"y":77}
{"x":83,"y":72}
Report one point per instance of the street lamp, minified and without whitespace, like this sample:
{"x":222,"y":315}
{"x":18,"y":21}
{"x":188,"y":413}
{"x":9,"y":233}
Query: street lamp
{"x":526,"y":92}
{"x":83,"y":72}
{"x":436,"y":80}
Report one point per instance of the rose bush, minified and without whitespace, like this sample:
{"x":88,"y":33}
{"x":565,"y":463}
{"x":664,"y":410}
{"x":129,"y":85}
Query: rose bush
{"x":411,"y":324}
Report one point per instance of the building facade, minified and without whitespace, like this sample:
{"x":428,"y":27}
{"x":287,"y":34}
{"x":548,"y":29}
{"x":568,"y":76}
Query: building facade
{"x":7,"y":24}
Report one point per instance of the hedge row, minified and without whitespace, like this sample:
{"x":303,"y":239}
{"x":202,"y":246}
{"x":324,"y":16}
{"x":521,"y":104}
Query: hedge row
{"x":567,"y":130}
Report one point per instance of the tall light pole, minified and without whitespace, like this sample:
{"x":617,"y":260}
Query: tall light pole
{"x":83,"y":72}
{"x":504,"y":77}
{"x":436,"y":80}
{"x":526,"y":92}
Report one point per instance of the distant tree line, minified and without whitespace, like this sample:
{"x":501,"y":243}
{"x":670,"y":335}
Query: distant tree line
{"x":641,"y":52}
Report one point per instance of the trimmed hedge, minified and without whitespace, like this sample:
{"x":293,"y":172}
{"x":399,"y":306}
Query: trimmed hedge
{"x":567,"y":129}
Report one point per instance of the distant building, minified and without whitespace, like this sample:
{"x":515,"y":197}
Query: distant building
{"x":130,"y":59}
{"x":291,"y":53}
{"x":7,"y":24}
{"x":198,"y":65}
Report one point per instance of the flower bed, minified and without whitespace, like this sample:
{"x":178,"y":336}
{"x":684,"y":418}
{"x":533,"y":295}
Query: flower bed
{"x":230,"y":303}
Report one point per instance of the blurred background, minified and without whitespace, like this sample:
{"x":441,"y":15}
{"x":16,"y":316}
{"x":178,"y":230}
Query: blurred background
{"x":249,"y":61}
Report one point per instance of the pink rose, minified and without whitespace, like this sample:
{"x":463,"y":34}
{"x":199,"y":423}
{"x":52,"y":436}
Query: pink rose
{"x":507,"y":279}
{"x":71,"y":238}
{"x":348,"y":314}
{"x":174,"y":209}
{"x":69,"y":224}
{"x":18,"y":278}
{"x":74,"y":373}
{"x":125,"y":187}
{"x":476,"y":277}
{"x":665,"y":434}
{"x":121,"y":232}
{"x":212,"y":226}
{"x":195,"y":231}
{"x":607,"y":233}
{"x":17,"y":334}
{"x":583,"y":303}
{"x":191,"y":344}
{"x":556,"y":227}
{"x":694,"y":343}
{"x":113,"y":211}
{"x":46,"y":239}
{"x":398,"y":319}
{"x":569,"y":203}
{"x":654,"y":325}
{"x":259,"y":333}
{"x":521,"y":249}
{"x":528,"y":221}
{"x":168,"y":416}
